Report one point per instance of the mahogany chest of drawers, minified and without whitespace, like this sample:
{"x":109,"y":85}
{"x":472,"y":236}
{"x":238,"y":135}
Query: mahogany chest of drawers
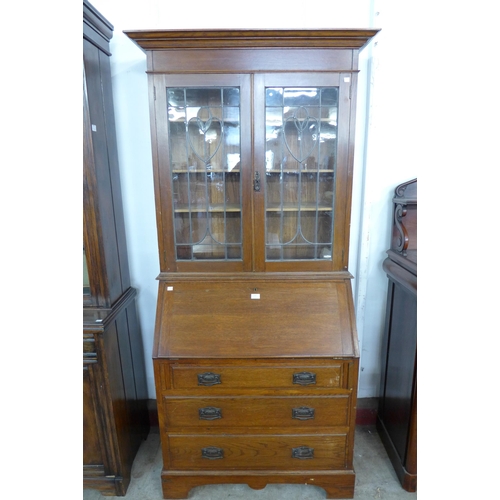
{"x":397,"y":412}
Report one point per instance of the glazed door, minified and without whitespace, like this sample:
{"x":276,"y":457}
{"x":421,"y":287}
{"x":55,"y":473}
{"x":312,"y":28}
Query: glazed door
{"x":205,"y":170}
{"x":302,"y":124}
{"x":253,"y":171}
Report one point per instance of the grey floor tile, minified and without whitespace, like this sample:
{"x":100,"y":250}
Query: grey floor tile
{"x":375,"y":476}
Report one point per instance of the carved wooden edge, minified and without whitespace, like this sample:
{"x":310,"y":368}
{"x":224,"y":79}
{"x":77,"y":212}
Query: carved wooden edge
{"x":96,"y":319}
{"x":220,"y":39}
{"x":402,"y":261}
{"x":400,"y":194}
{"x":96,"y":28}
{"x":402,"y":276}
{"x":405,"y":194}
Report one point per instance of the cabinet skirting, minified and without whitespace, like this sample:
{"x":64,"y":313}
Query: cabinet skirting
{"x":337,"y":484}
{"x":408,"y":480}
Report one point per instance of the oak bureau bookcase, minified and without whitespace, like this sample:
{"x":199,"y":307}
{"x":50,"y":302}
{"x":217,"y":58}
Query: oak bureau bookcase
{"x":255,"y":350}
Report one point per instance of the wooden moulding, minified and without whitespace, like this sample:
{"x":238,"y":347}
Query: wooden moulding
{"x":403,"y":276}
{"x":209,"y":51}
{"x":214,"y":39}
{"x":97,"y":319}
{"x":256,"y":276}
{"x":96,"y":28}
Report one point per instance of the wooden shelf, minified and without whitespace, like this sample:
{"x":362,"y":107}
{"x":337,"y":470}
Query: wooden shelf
{"x":204,"y":171}
{"x":213,"y":208}
{"x":303,"y":171}
{"x":219,"y":208}
{"x":237,"y":170}
{"x":304,"y":207}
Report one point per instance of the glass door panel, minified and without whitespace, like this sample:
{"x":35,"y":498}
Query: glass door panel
{"x":204,"y":141}
{"x":300,"y":163}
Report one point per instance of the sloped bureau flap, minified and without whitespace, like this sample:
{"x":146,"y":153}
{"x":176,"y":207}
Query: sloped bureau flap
{"x":258,"y":319}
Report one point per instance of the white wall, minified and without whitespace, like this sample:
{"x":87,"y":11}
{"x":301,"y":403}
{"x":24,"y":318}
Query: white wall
{"x":380,"y":162}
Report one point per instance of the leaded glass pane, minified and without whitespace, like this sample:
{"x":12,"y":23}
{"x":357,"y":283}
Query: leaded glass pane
{"x":301,"y":146}
{"x":204,"y":146}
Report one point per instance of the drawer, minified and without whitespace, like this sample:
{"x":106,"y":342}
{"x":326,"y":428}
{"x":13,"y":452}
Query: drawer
{"x":324,"y":411}
{"x":279,"y":452}
{"x":247,"y":377}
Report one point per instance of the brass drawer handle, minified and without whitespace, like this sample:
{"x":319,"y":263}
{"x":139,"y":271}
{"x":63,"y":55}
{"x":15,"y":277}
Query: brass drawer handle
{"x":212,"y":453}
{"x":303,"y":413}
{"x":210,"y":413}
{"x":304,"y":378}
{"x":303,"y":452}
{"x":208,"y":378}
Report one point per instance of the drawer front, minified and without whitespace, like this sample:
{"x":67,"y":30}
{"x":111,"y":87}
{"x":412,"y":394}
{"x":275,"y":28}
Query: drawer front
{"x":324,"y":411}
{"x":196,"y":377}
{"x":284,"y":452}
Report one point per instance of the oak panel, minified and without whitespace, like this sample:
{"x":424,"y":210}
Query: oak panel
{"x":256,"y":411}
{"x":257,"y":451}
{"x":221,"y":319}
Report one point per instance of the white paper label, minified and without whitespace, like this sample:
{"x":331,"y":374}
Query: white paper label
{"x":94,"y":128}
{"x":255,"y":296}
{"x":170,"y":288}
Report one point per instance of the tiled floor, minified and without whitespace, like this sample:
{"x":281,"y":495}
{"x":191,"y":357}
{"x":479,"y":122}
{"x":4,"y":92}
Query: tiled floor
{"x":375,"y":477}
